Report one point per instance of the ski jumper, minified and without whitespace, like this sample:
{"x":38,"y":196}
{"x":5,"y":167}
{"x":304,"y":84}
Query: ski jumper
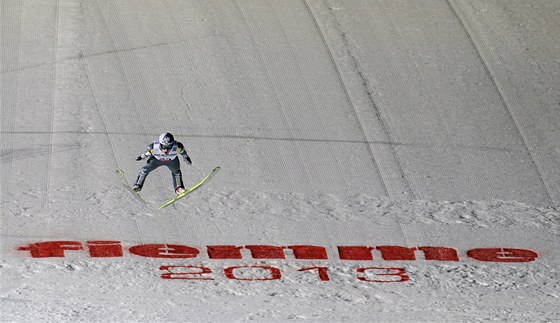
{"x":157,"y":158}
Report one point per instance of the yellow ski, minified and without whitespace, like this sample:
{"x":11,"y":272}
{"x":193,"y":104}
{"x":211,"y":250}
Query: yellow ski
{"x":192,"y":189}
{"x":126,"y":184}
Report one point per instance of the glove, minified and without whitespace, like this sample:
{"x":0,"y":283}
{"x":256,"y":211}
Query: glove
{"x":139,"y":158}
{"x":188,"y":160}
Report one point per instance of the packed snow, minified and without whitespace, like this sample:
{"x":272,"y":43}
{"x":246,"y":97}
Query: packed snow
{"x":380,"y":160}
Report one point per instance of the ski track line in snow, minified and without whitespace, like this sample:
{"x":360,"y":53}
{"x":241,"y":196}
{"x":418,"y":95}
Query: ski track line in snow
{"x":249,"y":27}
{"x":368,"y":88}
{"x":416,"y":71}
{"x":101,"y":115}
{"x":184,"y":63}
{"x":386,"y":70}
{"x":339,"y":178}
{"x":278,"y":103}
{"x":353,"y":107}
{"x":131,"y":68}
{"x":218,"y":105}
{"x":10,"y":46}
{"x":117,"y":50}
{"x":162,"y":51}
{"x":53,"y":107}
{"x":175,"y":62}
{"x":389,"y":163}
{"x":97,"y":106}
{"x":403,"y":47}
{"x":292,"y":121}
{"x":183,"y":60}
{"x":144,"y":95}
{"x":476,"y":41}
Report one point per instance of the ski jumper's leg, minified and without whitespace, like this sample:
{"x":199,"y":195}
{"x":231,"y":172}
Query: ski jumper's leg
{"x":149,"y":167}
{"x":175,"y":168}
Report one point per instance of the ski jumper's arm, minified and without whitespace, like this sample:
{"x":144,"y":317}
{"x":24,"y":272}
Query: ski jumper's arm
{"x":149,"y":152}
{"x":183,"y":152}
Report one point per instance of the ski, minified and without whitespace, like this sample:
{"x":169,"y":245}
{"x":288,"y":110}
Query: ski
{"x":192,"y":189}
{"x":127,"y":185}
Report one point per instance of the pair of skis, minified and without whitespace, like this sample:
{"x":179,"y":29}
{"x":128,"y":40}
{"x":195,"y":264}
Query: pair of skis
{"x":137,"y":195}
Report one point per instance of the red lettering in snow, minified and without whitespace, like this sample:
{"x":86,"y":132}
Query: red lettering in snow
{"x":503,"y":255}
{"x":105,"y":249}
{"x":192,"y":273}
{"x":397,"y":253}
{"x":224,"y":252}
{"x":51,"y":248}
{"x":164,"y":251}
{"x":267,"y":252}
{"x":399,"y":275}
{"x":355,"y":252}
{"x":322,"y":271}
{"x":249,"y":273}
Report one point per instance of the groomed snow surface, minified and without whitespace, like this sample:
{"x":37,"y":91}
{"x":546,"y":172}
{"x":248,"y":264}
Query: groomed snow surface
{"x":390,"y":160}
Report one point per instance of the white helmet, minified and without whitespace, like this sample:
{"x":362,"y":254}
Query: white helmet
{"x":166,"y":140}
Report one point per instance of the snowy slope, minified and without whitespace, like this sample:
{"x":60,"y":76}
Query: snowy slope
{"x":384,"y":128}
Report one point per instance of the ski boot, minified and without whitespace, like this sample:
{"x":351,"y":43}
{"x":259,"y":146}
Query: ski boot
{"x":137,"y":187}
{"x":180,"y":190}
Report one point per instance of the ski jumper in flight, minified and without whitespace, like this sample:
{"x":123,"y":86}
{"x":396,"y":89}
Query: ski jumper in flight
{"x":163,"y":152}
